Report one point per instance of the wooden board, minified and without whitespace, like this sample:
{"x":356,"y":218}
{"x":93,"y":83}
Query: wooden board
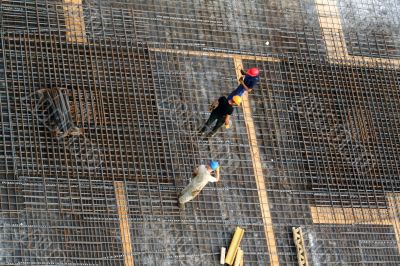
{"x":337,"y":215}
{"x":217,"y":54}
{"x":74,"y":21}
{"x":258,"y":173}
{"x":332,"y":32}
{"x":122,"y":206}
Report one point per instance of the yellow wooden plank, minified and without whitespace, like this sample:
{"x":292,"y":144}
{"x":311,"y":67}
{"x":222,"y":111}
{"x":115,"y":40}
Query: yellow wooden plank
{"x":258,"y":173}
{"x":394,"y":212}
{"x":123,"y":222}
{"x":332,"y":32}
{"x":336,"y":215}
{"x":216,"y":54}
{"x":74,"y":21}
{"x":332,"y":29}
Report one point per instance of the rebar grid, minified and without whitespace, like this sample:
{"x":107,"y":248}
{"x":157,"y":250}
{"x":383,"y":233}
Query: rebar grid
{"x":330,"y":132}
{"x":326,"y":130}
{"x":288,"y":26}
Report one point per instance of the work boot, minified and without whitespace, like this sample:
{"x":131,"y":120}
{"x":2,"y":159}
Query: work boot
{"x":202,"y":130}
{"x":75,"y":131}
{"x":181,"y":205}
{"x":211,"y":134}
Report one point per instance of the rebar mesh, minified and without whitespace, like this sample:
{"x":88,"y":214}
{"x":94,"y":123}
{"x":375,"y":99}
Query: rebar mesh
{"x":330,"y":128}
{"x":139,"y":76}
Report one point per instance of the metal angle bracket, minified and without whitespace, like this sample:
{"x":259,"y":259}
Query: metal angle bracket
{"x":299,"y":242}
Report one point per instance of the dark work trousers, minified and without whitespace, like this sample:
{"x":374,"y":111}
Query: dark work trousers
{"x":211,"y":119}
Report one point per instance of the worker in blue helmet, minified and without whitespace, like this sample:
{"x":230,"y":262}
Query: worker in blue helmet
{"x":202,"y":175}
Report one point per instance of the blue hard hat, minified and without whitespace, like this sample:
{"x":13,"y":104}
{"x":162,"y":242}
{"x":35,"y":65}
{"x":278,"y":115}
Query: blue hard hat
{"x":214,"y":165}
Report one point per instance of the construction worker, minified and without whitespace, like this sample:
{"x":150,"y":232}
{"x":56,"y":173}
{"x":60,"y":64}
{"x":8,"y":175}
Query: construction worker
{"x":202,"y":175}
{"x":222,"y":110}
{"x":250,"y":80}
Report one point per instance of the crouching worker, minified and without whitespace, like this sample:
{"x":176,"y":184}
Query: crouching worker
{"x":202,"y":175}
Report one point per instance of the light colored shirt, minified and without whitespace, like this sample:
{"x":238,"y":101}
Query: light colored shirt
{"x":202,"y":178}
{"x":197,"y":184}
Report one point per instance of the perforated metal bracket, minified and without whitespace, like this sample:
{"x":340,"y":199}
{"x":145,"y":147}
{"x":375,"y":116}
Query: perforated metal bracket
{"x":299,"y":242}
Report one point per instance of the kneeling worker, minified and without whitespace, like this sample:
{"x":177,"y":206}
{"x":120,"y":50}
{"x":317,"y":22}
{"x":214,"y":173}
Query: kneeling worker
{"x":202,"y":175}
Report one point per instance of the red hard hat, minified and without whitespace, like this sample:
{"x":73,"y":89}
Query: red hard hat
{"x":254,"y":72}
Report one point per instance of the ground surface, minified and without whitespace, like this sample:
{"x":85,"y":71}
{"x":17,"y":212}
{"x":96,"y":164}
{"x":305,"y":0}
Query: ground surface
{"x":140,"y":81}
